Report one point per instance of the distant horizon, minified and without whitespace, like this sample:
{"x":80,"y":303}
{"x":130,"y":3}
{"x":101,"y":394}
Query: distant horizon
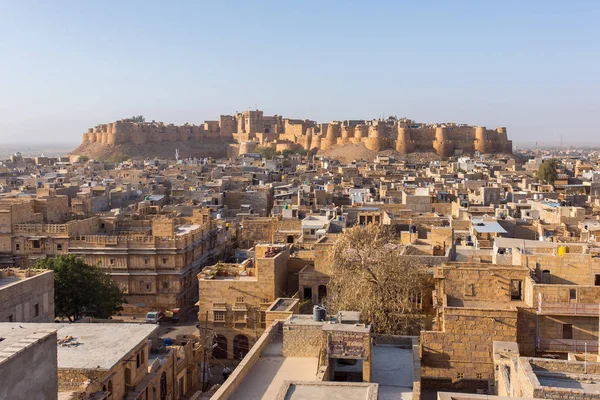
{"x":530,"y":66}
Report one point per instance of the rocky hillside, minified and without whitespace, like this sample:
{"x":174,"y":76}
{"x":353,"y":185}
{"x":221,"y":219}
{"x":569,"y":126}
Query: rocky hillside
{"x":124,"y":151}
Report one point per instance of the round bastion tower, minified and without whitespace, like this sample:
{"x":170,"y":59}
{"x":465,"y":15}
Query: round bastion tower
{"x":347,"y":133}
{"x":443,"y":146}
{"x":360,"y":133}
{"x":333,"y":132}
{"x":404,"y":143}
{"x":374,"y":142}
{"x":307,"y":140}
{"x":505,"y":145}
{"x":315,"y":142}
{"x":482,"y":144}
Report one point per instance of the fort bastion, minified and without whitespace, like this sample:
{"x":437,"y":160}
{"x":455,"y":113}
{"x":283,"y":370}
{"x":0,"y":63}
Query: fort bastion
{"x":249,"y":129}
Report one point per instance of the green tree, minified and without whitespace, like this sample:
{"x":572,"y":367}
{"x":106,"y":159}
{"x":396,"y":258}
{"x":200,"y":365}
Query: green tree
{"x":266,"y":152}
{"x":547,"y":171}
{"x":138,"y":118}
{"x":82,"y":290}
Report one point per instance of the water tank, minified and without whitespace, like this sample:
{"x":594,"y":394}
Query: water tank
{"x":168,"y":341}
{"x":319,"y":313}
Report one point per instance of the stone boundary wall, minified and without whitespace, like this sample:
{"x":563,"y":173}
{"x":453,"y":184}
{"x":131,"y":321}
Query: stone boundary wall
{"x":303,"y":340}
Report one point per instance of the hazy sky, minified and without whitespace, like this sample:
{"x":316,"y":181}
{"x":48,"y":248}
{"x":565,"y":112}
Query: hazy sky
{"x":532,"y":66}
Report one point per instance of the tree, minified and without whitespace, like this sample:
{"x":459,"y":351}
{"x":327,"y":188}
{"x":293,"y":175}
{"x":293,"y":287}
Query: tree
{"x":82,"y":290}
{"x":138,"y":118}
{"x":369,"y":275}
{"x":266,"y":152}
{"x":547,"y":171}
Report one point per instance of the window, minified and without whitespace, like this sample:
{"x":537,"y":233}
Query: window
{"x":546,"y":276}
{"x":219,"y":316}
{"x":142,"y":355}
{"x":239,"y":299}
{"x":263,"y":319}
{"x":479,"y":376}
{"x":165,"y":285}
{"x":36,"y":244}
{"x":597,"y":280}
{"x":137,"y":360}
{"x":145,"y":261}
{"x":460,"y":375}
{"x":312,"y":231}
{"x":515,"y":290}
{"x":265,"y":300}
{"x":36,"y":310}
{"x":164,"y":260}
{"x":567,"y":331}
{"x":147,"y":286}
{"x":18,"y":247}
{"x":59,"y":247}
{"x":469,"y":289}
{"x":111,"y":261}
{"x":127,"y":376}
{"x":102,"y":225}
{"x":572,"y":294}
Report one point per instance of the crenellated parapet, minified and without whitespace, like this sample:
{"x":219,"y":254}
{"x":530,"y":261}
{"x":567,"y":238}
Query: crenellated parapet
{"x":403,"y":135}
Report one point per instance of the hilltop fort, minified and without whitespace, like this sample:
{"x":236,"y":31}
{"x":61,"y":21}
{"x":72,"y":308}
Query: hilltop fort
{"x":247,"y":130}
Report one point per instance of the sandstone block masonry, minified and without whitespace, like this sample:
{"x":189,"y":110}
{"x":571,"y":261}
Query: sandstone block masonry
{"x":402,"y":135}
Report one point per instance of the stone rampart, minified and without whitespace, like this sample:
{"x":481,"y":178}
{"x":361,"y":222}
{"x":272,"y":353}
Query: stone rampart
{"x":288,"y":134}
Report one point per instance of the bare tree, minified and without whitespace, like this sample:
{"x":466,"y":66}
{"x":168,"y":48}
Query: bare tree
{"x":369,"y":275}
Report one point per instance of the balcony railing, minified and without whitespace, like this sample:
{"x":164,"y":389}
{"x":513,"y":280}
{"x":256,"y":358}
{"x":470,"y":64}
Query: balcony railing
{"x":567,"y":345}
{"x":583,"y":309}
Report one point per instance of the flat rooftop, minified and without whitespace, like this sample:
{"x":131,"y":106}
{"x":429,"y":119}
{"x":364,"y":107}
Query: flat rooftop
{"x":11,"y":276}
{"x":328,"y":391}
{"x":97,"y":346}
{"x":589,"y":383}
{"x":393,"y":370}
{"x":9,"y":280}
{"x":271,"y":370}
{"x":12,"y":334}
{"x":185,"y":229}
{"x":283,"y":304}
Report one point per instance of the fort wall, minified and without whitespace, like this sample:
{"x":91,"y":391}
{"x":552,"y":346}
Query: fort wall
{"x":287,"y":134}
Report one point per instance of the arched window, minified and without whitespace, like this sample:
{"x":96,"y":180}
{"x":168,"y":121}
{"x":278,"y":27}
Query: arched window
{"x":240,"y":346}
{"x":322,"y":292}
{"x":220,"y":350}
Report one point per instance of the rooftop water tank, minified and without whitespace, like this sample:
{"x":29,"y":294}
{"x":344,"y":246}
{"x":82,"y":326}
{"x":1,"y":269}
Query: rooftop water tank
{"x":319,"y":313}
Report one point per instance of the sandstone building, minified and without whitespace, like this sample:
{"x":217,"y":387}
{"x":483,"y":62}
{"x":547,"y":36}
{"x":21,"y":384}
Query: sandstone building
{"x":26,"y":295}
{"x":250,"y":129}
{"x":237,"y":296}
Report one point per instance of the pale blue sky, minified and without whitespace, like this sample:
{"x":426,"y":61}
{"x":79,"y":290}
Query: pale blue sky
{"x":532,"y":66}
